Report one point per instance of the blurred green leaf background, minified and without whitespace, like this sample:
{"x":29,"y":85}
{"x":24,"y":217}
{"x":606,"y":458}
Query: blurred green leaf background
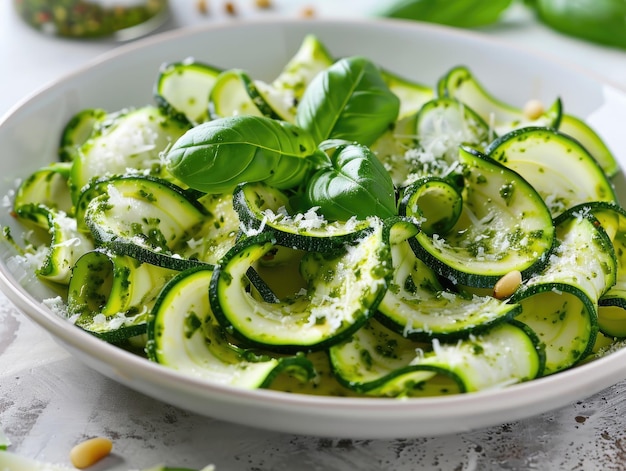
{"x":599,"y":21}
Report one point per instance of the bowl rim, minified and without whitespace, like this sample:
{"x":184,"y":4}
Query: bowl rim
{"x":588,"y":378}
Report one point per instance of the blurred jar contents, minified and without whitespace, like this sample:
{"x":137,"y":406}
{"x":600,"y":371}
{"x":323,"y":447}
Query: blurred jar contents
{"x":124,"y":19}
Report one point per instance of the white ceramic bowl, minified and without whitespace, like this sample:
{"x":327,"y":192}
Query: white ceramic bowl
{"x":28,"y":140}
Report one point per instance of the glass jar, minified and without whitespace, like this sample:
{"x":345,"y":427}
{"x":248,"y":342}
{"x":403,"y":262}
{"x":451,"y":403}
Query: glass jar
{"x":124,"y":19}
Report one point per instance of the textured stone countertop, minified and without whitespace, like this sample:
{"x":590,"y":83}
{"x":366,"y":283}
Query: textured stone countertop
{"x":49,"y":400}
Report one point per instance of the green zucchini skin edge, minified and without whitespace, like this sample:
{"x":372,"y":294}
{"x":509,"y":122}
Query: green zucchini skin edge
{"x":176,"y":71}
{"x":588,"y":325}
{"x":265,"y":242}
{"x":473,"y":277}
{"x":271,"y":365}
{"x":409,"y":204}
{"x":57,"y":264}
{"x":117,"y":287}
{"x":422,"y":310}
{"x":123,"y":245}
{"x":438,"y":368}
{"x":251,"y":217}
{"x":575,"y":160}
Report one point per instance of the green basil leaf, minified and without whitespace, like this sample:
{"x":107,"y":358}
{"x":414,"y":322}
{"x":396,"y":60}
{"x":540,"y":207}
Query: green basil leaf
{"x":356,"y":184}
{"x":349,"y":100}
{"x":600,"y":21}
{"x":460,"y":13}
{"x":216,"y":156}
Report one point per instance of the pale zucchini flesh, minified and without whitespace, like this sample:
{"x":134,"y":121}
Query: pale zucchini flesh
{"x":417,"y":306}
{"x":559,"y":168}
{"x":404,"y":307}
{"x":110,"y":296}
{"x":343,"y":290}
{"x":461,"y":83}
{"x":504,"y":226}
{"x":560,"y":304}
{"x":184,"y":335}
{"x":377,"y":361}
{"x":182,"y":89}
{"x":133,"y":140}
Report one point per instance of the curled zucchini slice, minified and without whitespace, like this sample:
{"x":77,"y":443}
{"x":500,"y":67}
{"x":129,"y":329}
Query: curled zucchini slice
{"x":504,"y":226}
{"x":560,"y":303}
{"x":80,"y":128}
{"x":612,"y":318}
{"x":439,"y":203}
{"x":46,"y":186}
{"x":149,"y":219}
{"x":509,"y":353}
{"x":310,"y":59}
{"x":182,"y":89}
{"x":262,"y":207}
{"x":183,"y":334}
{"x":379,"y":362}
{"x":343,"y":289}
{"x":236,"y":93}
{"x":110,"y":296}
{"x":133,"y":139}
{"x":612,"y":304}
{"x":583,"y":133}
{"x":558,"y":167}
{"x":229,"y":95}
{"x":445,"y":123}
{"x":62,"y":242}
{"x":461,"y":83}
{"x":417,"y":306}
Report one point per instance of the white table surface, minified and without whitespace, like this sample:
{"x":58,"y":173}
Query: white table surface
{"x":49,"y":400}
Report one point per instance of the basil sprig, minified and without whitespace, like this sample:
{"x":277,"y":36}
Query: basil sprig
{"x":216,"y":156}
{"x":354,"y":183}
{"x":349,"y":103}
{"x":460,"y":13}
{"x":599,"y":21}
{"x":349,"y":100}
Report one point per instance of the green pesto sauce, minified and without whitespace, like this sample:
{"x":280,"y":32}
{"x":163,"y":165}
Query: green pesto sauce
{"x":85,"y":18}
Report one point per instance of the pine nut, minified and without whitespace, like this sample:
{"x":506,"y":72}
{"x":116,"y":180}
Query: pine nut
{"x":90,"y":451}
{"x":507,"y":285}
{"x":230,"y":8}
{"x":533,"y":109}
{"x":307,"y":12}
